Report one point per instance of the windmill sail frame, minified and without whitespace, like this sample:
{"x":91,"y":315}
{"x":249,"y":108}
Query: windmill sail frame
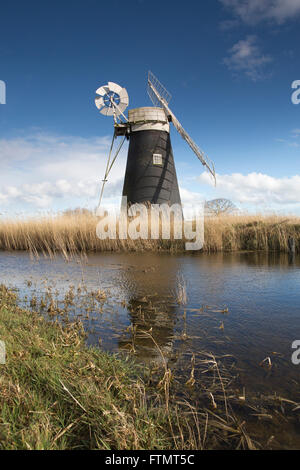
{"x":160,"y":96}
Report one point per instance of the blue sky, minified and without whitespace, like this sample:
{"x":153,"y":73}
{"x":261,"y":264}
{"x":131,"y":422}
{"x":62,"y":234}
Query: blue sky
{"x":229,"y":65}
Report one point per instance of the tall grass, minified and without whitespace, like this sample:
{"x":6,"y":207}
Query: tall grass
{"x":251,"y":232}
{"x":76,"y":233}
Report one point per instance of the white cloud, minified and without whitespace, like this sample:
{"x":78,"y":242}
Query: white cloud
{"x":295,"y":134}
{"x":245,"y":56}
{"x":257,"y":190}
{"x":49,"y":171}
{"x":44,"y":172}
{"x":58,"y":172}
{"x":290,"y":144}
{"x":255,"y":11}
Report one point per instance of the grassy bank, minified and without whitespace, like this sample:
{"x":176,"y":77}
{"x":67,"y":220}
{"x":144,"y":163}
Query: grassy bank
{"x":76,"y":233}
{"x":55,"y":393}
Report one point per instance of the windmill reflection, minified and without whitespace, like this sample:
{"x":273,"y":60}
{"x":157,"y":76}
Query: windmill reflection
{"x":151,"y":333}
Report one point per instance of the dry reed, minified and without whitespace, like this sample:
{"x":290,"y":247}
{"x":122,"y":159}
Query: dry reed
{"x":75,"y":233}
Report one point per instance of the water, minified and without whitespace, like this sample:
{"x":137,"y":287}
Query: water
{"x":244,"y":305}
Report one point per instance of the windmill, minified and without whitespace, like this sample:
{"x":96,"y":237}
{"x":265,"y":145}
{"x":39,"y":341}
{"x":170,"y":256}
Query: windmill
{"x":150,"y":175}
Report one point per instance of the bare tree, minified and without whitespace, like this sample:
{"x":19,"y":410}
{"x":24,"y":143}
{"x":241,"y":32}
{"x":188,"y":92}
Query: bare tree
{"x":220,"y":207}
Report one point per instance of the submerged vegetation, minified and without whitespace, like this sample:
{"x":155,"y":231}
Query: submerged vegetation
{"x":75,"y":232}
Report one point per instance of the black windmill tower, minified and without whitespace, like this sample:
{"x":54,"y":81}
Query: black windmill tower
{"x":150,"y":175}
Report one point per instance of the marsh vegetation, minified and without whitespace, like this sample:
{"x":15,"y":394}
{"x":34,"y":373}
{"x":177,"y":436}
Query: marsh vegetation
{"x":75,"y":232}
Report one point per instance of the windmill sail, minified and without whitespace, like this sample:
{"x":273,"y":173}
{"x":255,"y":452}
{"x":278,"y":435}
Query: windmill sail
{"x":112,"y":99}
{"x":159,"y":95}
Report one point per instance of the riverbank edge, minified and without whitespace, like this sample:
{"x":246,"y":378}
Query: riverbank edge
{"x":56,"y":393}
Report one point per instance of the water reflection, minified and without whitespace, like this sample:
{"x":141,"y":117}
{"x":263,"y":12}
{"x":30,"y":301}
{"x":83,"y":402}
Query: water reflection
{"x":260,"y":290}
{"x":292,"y":259}
{"x":151,"y":332}
{"x":243,"y":307}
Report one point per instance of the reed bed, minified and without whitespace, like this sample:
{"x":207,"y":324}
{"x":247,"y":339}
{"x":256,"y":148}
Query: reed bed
{"x":251,"y":233}
{"x":76,"y":233}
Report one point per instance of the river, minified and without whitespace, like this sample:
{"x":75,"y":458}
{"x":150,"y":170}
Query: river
{"x":244,"y":307}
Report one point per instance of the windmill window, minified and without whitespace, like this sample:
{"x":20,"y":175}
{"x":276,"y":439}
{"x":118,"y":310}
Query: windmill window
{"x":157,"y":159}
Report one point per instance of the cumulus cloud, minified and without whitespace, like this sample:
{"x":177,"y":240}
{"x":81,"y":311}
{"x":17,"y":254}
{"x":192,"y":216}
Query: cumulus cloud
{"x":49,"y":171}
{"x":258,"y":190}
{"x":245,"y":56}
{"x":42,"y":172}
{"x":254,"y":11}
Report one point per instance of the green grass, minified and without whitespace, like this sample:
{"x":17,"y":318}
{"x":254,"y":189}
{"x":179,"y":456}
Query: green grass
{"x":57,"y":394}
